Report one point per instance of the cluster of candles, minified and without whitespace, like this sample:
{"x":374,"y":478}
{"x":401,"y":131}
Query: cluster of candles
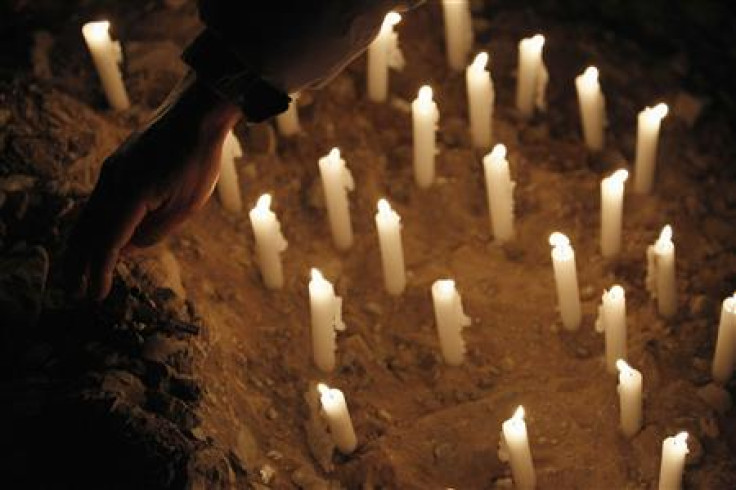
{"x":326,"y":306}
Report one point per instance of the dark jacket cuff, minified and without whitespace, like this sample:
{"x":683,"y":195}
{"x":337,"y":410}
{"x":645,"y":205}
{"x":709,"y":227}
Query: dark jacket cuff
{"x":217,"y":66}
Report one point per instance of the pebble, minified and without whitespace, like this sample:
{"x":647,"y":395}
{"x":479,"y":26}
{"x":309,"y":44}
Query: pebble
{"x":373,"y":308}
{"x":272,"y":413}
{"x":267,"y":472}
{"x":715,"y":397}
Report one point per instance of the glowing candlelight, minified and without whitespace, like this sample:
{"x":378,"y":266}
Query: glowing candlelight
{"x":338,"y":418}
{"x":612,"y":200}
{"x":725,"y":353}
{"x":661,"y":280}
{"x":520,"y":455}
{"x":383,"y":53}
{"x":228,"y":187}
{"x":630,"y":398}
{"x":336,"y":182}
{"x":647,"y":141}
{"x":499,"y":188}
{"x":451,"y":319}
{"x":326,"y":312}
{"x":566,"y":280}
{"x":612,"y":321}
{"x":479,"y":86}
{"x":674,"y":451}
{"x":532,"y":77}
{"x":270,"y":242}
{"x":388,"y":224}
{"x":458,"y":32}
{"x":425,"y":117}
{"x":592,"y":108}
{"x":107,"y":57}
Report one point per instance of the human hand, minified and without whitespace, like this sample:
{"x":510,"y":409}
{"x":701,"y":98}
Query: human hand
{"x":149,"y":185}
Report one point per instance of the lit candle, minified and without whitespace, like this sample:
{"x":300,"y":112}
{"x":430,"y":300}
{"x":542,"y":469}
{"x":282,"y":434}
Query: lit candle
{"x":451,"y":319}
{"x":288,"y":121}
{"x":107,"y":57}
{"x":520,"y":455}
{"x":723,"y":359}
{"x":660,"y":280}
{"x":228,"y":187}
{"x":630,"y":398}
{"x":647,"y":140}
{"x":532,"y":76}
{"x":566,"y":280}
{"x":270,"y":242}
{"x":326,"y":312}
{"x":612,"y":321}
{"x":338,"y":418}
{"x":336,"y":182}
{"x":383,"y":53}
{"x":674,"y":451}
{"x":592,"y":108}
{"x":425,"y":117}
{"x":499,"y":188}
{"x":458,"y":32}
{"x":612,"y":202}
{"x":480,"y":101}
{"x":388,"y":224}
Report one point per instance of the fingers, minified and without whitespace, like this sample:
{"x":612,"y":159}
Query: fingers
{"x":159,"y":223}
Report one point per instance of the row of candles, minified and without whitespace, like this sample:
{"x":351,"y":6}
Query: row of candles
{"x":326,"y":307}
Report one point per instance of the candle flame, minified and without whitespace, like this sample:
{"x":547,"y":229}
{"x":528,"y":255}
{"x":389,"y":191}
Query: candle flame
{"x":384,"y":207}
{"x":264,"y":203}
{"x":425,"y":94}
{"x":558,"y":239}
{"x":316,"y":274}
{"x":666,"y":234}
{"x":480,"y":61}
{"x":590,"y":75}
{"x":681,"y":438}
{"x":729,"y":304}
{"x":616,"y":292}
{"x":624,"y":367}
{"x":98,"y":30}
{"x":334,"y":155}
{"x":518,"y":414}
{"x":537,"y":41}
{"x":660,"y":110}
{"x":391,"y":19}
{"x":619,"y":176}
{"x":498,"y":152}
{"x":323,"y":389}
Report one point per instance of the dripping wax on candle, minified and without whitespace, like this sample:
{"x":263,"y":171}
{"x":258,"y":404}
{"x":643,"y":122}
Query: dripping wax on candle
{"x":338,"y":418}
{"x":383,"y":53}
{"x":270,"y":242}
{"x":630,"y":398}
{"x":647,"y":141}
{"x":612,"y":322}
{"x":612,"y":200}
{"x":674,"y":452}
{"x":337,"y":181}
{"x":725,"y":352}
{"x":520,"y":456}
{"x":661,"y":280}
{"x":592,"y":108}
{"x":451,"y":319}
{"x":326,"y":313}
{"x":228,"y":185}
{"x":566,"y":280}
{"x":479,"y":87}
{"x":425,"y":117}
{"x":499,"y":190}
{"x":107,"y":57}
{"x":388,"y":224}
{"x":531,"y":81}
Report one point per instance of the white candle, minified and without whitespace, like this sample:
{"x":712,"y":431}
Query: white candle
{"x":674,"y":451}
{"x":566,"y":280}
{"x":451,"y":319}
{"x":336,"y":182}
{"x":479,"y":86}
{"x":520,"y":455}
{"x":288,"y":121}
{"x":532,"y":76}
{"x":592,"y":108}
{"x":338,"y":418}
{"x":499,"y":188}
{"x":612,"y":322}
{"x":107,"y":57}
{"x":388,"y":224}
{"x":612,"y":202}
{"x":630,"y":398}
{"x":458,"y":32}
{"x":228,"y":187}
{"x":725,"y":354}
{"x":326,"y":312}
{"x":270,"y":242}
{"x":425,"y":117}
{"x":383,"y":53}
{"x":661,"y":281}
{"x":647,"y":140}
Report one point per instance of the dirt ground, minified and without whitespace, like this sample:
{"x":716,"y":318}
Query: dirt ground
{"x":244,"y":353}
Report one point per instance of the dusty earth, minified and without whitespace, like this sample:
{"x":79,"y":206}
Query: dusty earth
{"x":193,"y":375}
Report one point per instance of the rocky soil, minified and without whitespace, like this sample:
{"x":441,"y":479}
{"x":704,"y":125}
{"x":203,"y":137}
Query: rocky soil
{"x":192,"y":375}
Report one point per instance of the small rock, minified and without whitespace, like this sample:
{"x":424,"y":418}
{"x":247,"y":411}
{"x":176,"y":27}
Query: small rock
{"x":715,"y":397}
{"x":373,"y":308}
{"x":267,"y":472}
{"x":272,"y":413}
